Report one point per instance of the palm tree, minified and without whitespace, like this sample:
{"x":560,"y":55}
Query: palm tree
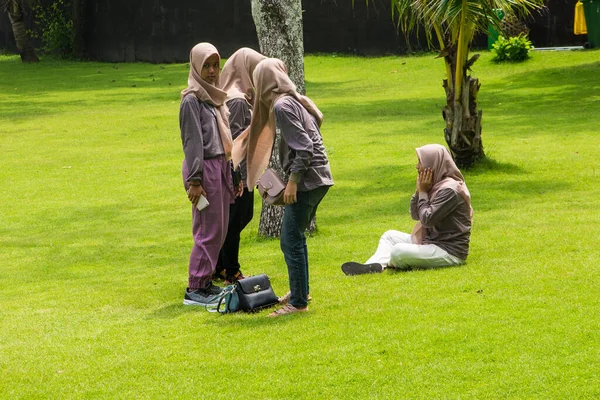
{"x":454,"y":23}
{"x":15,"y":10}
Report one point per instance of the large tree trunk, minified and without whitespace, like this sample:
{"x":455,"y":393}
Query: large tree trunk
{"x":17,"y":20}
{"x":279,"y":29}
{"x":463,"y":119}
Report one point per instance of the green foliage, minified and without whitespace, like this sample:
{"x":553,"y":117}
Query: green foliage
{"x":515,"y":48}
{"x":95,"y":234}
{"x":55,"y":28}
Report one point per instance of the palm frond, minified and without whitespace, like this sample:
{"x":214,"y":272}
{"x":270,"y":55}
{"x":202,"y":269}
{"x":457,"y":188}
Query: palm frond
{"x":448,"y":13}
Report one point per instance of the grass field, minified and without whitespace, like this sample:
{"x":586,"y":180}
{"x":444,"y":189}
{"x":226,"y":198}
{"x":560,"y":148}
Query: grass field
{"x":95,"y":234}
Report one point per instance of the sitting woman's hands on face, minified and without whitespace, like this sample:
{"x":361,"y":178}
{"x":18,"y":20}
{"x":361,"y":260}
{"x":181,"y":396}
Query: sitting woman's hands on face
{"x":425,"y":180}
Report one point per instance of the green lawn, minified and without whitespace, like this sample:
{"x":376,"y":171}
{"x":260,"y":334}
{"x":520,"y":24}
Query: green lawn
{"x":95,"y":234}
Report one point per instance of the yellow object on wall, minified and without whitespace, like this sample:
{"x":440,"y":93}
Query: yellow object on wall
{"x":580,"y":27}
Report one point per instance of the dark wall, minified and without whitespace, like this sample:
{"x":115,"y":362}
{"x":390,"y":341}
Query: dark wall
{"x":165,"y":30}
{"x":336,"y":26}
{"x":7,"y":41}
{"x":554,"y":27}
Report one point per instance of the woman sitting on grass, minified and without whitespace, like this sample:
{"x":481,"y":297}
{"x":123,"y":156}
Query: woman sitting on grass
{"x":442,"y":207}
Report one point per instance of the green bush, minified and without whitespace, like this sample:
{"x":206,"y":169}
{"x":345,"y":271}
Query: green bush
{"x":55,"y":28}
{"x":515,"y":48}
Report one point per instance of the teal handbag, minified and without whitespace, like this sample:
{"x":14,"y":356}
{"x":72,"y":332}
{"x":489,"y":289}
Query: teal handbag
{"x":226,"y":302}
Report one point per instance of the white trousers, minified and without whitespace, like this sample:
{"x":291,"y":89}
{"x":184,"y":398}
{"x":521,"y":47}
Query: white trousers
{"x":397,"y":250}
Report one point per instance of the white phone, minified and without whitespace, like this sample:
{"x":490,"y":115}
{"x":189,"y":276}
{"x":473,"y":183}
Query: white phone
{"x":202,"y":203}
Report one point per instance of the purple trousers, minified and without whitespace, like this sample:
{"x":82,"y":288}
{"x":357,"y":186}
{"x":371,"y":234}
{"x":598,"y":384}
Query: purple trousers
{"x":209,"y":226}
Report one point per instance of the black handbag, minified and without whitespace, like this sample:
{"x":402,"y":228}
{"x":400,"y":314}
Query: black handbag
{"x":255,"y":292}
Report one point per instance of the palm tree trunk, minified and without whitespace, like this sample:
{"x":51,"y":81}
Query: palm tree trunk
{"x":462,"y":117}
{"x":464,"y":120}
{"x":15,"y":14}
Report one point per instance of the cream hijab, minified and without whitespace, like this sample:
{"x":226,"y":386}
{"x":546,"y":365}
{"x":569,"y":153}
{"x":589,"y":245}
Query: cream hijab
{"x":236,"y":76}
{"x":445,"y":174}
{"x":272,"y":82}
{"x":206,"y":92}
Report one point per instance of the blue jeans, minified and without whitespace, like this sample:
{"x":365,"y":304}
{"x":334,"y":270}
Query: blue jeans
{"x":296,"y":218}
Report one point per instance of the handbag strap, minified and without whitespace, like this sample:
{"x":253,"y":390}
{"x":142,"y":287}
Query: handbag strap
{"x":221,"y":300}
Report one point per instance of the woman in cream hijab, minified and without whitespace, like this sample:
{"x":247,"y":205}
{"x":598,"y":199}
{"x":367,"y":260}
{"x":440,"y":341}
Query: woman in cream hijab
{"x":207,"y":144}
{"x":236,"y":81}
{"x":441,"y":206}
{"x":303,"y":159}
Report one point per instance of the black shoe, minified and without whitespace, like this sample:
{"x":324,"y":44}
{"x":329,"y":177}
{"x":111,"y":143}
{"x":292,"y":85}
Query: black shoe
{"x":201,"y":297}
{"x":354,"y":268}
{"x":213,"y":289}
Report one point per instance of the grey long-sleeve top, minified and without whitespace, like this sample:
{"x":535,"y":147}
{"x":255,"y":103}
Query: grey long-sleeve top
{"x":447,"y":219}
{"x":199,"y":135}
{"x":239,"y":119}
{"x":301,"y":149}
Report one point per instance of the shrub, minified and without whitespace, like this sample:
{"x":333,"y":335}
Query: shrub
{"x":55,"y":28}
{"x":515,"y":48}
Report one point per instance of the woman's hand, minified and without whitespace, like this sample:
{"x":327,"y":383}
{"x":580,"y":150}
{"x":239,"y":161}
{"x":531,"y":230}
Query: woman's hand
{"x":194,"y":193}
{"x":289,"y":196}
{"x":239,"y":190}
{"x":425,"y":180}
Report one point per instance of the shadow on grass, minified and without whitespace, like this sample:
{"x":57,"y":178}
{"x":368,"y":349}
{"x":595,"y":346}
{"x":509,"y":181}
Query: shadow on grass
{"x":575,"y":81}
{"x":89,"y":77}
{"x":393,"y":110}
{"x":488,"y":165}
{"x":372,"y":188}
{"x":239,"y":319}
{"x":174,"y":310}
{"x":545,"y":99}
{"x":91,"y":99}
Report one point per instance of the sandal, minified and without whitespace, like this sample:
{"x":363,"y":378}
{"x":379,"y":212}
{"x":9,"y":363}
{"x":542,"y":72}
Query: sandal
{"x":286,"y":298}
{"x":231,"y":279}
{"x":219,"y":275}
{"x":287,"y":309}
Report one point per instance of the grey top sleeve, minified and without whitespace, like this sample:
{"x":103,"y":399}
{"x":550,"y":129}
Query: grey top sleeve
{"x":239,"y":116}
{"x":190,"y":124}
{"x":430,"y":213}
{"x":301,"y":150}
{"x":199,"y":135}
{"x":446,"y":218}
{"x":292,"y":129}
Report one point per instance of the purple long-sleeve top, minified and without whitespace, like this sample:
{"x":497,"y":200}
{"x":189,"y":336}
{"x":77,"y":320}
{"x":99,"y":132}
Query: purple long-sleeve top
{"x":301,"y":149}
{"x":446,"y":218}
{"x":199,"y":135}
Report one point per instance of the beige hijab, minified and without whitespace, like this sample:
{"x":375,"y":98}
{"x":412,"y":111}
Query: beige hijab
{"x":256,"y":142}
{"x":445,"y":174}
{"x":206,"y":92}
{"x":236,"y":76}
